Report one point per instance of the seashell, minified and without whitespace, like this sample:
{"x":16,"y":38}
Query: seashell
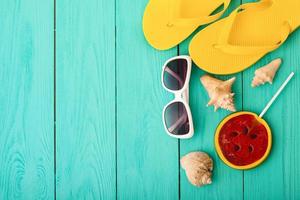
{"x":219,"y":92}
{"x":198,"y":167}
{"x":266,"y":73}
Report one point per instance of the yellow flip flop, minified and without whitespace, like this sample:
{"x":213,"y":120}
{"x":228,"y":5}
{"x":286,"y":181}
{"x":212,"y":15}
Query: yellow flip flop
{"x":240,"y":40}
{"x":166,"y":23}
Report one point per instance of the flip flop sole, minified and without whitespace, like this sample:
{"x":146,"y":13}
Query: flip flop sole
{"x":158,"y":28}
{"x":213,"y":60}
{"x":251,"y":28}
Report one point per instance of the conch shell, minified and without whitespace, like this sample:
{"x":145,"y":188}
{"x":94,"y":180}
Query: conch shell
{"x":266,"y":73}
{"x":198,"y":167}
{"x":219,"y":92}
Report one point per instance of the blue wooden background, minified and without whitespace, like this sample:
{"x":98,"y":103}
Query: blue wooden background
{"x":81,"y":102}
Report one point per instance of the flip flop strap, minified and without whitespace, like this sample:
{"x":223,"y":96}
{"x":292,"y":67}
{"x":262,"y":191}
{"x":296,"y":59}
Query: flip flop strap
{"x":223,"y":42}
{"x":252,"y":50}
{"x":181,"y":21}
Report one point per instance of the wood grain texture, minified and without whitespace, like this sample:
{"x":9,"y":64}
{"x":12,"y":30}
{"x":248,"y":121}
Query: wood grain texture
{"x":147,"y":156}
{"x":110,"y":141}
{"x":26,"y":100}
{"x":278,"y":177}
{"x":86,"y":100}
{"x":205,"y":122}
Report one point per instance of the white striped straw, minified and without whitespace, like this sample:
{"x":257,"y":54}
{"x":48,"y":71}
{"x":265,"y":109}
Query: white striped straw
{"x":276,"y":95}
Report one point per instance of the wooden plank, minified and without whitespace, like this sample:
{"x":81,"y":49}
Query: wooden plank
{"x":147,"y":156}
{"x":278,"y":177}
{"x":26,"y":100}
{"x":86,"y":100}
{"x":227,"y":183}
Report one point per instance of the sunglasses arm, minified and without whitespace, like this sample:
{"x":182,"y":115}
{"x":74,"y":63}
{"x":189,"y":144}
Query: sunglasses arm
{"x":167,"y":69}
{"x":178,"y":123}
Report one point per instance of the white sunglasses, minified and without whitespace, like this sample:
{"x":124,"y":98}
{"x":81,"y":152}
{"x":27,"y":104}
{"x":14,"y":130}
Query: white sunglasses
{"x":177,"y":116}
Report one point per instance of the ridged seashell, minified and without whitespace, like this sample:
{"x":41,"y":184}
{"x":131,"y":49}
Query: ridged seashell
{"x":219,"y":92}
{"x":266,"y":73}
{"x":198,"y":167}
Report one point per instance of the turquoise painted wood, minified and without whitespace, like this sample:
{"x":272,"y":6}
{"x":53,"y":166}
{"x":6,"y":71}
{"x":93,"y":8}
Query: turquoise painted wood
{"x":108,"y":140}
{"x":85,"y":100}
{"x":147,"y":159}
{"x":206,"y":121}
{"x":26,"y":100}
{"x":278,"y":177}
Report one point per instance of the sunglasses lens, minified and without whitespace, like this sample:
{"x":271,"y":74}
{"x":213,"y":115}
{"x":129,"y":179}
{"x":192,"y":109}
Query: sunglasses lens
{"x":176,"y":119}
{"x":174,"y":75}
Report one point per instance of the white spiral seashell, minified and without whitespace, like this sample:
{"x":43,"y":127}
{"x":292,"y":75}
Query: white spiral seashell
{"x":266,"y":73}
{"x":219,"y":92}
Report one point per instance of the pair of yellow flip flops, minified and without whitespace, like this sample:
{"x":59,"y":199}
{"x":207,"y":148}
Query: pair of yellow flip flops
{"x":229,"y":45}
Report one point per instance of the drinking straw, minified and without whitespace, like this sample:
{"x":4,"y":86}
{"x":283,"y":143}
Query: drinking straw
{"x":276,"y":95}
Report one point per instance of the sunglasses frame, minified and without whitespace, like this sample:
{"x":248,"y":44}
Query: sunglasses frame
{"x":181,"y":96}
